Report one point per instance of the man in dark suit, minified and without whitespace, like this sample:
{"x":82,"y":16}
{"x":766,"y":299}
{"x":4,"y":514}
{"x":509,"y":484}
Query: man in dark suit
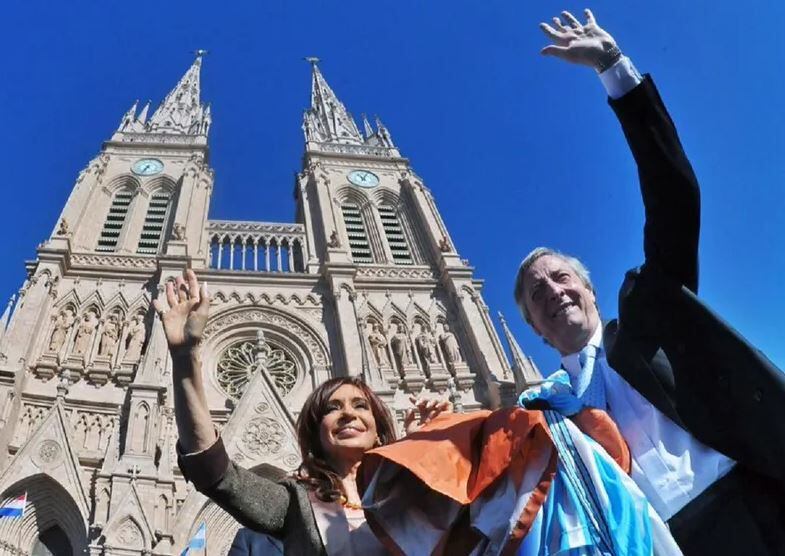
{"x":703,"y":412}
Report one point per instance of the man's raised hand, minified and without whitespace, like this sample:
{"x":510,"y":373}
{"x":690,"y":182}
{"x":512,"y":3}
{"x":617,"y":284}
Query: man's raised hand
{"x":580,"y":43}
{"x":186,"y":315}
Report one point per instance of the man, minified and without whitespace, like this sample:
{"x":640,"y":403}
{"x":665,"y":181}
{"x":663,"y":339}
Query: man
{"x":702,"y":411}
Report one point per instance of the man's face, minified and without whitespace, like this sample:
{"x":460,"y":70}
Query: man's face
{"x":562,"y":308}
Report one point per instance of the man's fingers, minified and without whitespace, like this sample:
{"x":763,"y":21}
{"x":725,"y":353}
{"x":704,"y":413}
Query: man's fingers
{"x":171,"y":298}
{"x":554,"y":50}
{"x":193,"y":283}
{"x":557,"y":22}
{"x":574,"y":23}
{"x":589,"y":17}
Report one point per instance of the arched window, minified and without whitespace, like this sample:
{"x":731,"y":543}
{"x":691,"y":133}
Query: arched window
{"x":357,"y":232}
{"x":154,"y":223}
{"x":115,"y":220}
{"x":396,"y":238}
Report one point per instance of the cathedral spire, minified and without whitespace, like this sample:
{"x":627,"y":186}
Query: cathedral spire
{"x":182,"y":111}
{"x":523,"y":369}
{"x":327,"y":120}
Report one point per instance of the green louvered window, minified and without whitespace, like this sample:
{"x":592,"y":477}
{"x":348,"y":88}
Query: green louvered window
{"x":358,"y":235}
{"x":395,"y":236}
{"x":115,"y":220}
{"x":154,"y":224}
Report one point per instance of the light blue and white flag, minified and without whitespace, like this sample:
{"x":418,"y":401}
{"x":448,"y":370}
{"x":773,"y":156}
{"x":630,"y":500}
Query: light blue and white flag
{"x":198,"y":542}
{"x":14,"y":507}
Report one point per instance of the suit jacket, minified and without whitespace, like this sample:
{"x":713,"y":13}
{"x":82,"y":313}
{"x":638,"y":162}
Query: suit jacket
{"x":667,"y":343}
{"x":280,"y":509}
{"x":250,"y":543}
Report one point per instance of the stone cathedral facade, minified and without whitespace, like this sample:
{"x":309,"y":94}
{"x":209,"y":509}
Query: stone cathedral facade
{"x":366,"y":280}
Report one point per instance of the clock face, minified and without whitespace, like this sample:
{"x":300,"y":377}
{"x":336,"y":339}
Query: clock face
{"x":147,"y":167}
{"x":363,"y":178}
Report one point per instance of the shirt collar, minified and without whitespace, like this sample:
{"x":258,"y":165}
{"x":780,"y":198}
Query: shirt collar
{"x":571,"y":361}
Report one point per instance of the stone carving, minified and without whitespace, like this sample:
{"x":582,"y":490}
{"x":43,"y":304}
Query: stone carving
{"x":62,"y":228}
{"x":84,"y":333}
{"x":378,"y":343}
{"x":49,"y":452}
{"x":113,"y":261}
{"x":130,"y":536}
{"x":452,"y":352}
{"x":264,"y":317}
{"x":399,"y":342}
{"x":395,"y":273}
{"x":178,"y":232}
{"x":63,"y":323}
{"x":241,"y":361}
{"x":263,"y":436}
{"x":110,"y":337}
{"x":444,"y":245}
{"x":137,"y":333}
{"x":334,"y":241}
{"x":425,"y":345}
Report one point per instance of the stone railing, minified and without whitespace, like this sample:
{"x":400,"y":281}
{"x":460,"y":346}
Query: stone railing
{"x":257,"y":246}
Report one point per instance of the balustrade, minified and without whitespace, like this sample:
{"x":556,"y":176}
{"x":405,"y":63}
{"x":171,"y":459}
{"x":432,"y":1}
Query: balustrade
{"x":257,"y":246}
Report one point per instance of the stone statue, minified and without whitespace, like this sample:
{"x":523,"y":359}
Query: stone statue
{"x":424,"y":343}
{"x":110,"y":337}
{"x":334,"y":241}
{"x":178,"y":232}
{"x":65,"y":320}
{"x":378,"y":344}
{"x":84,"y":333}
{"x":135,"y":340}
{"x":62,"y":228}
{"x":450,"y":345}
{"x":400,"y":349}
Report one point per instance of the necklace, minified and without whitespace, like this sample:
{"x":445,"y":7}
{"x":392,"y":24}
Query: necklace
{"x":351,"y":505}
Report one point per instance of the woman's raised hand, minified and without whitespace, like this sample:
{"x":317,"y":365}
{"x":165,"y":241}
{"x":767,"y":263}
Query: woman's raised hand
{"x":186,"y":315}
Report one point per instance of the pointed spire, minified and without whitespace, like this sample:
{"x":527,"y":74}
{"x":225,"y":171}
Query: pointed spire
{"x":129,"y":117}
{"x":367,"y":127}
{"x":142,"y":118}
{"x":6,"y":315}
{"x":182,"y":111}
{"x":523,"y":368}
{"x":327,"y":120}
{"x":384,"y":134}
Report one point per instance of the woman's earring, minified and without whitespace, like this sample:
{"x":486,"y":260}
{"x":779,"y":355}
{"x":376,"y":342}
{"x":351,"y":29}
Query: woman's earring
{"x":378,"y":441}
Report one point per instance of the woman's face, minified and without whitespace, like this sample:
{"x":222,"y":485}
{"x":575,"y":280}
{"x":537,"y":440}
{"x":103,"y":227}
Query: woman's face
{"x":348,"y":428}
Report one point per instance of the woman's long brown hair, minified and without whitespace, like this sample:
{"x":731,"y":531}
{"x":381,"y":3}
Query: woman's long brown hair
{"x":314,"y":470}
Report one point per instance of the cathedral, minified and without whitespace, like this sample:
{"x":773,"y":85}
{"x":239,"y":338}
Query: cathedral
{"x":365,"y":281}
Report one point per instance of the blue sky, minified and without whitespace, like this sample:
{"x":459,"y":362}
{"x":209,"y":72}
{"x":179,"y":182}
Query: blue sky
{"x":519,"y":150}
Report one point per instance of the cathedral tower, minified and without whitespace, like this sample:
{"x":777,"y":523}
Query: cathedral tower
{"x":366,"y":281}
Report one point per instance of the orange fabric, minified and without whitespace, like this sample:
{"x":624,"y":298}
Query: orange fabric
{"x":460,"y":455}
{"x":597,"y":424}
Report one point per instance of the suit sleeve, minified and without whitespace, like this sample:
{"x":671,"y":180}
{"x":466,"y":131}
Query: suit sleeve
{"x":256,"y":502}
{"x":671,"y":196}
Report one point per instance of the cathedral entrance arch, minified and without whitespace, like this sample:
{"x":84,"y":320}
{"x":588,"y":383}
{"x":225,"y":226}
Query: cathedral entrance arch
{"x":52,"y":522}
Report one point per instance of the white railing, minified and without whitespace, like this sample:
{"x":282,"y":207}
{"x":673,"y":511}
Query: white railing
{"x":257,"y":246}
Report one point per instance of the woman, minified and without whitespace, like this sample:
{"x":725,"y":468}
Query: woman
{"x":318,"y":510}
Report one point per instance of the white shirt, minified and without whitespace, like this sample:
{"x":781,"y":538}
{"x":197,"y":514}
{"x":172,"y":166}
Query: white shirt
{"x":668,"y":464}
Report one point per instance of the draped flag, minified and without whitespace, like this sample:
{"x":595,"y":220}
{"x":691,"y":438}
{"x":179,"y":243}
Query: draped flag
{"x":198,"y":542}
{"x":14,"y":507}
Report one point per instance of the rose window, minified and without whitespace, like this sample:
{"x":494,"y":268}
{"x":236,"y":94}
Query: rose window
{"x":240,"y":362}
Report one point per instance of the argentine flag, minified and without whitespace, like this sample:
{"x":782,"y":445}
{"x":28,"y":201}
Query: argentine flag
{"x":14,"y":507}
{"x":198,"y":541}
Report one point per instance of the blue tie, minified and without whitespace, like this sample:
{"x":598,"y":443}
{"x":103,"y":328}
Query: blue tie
{"x":589,"y":384}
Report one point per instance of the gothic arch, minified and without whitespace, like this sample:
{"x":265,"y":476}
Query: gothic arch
{"x":281,"y":326}
{"x":160,"y":183}
{"x":221,"y":527}
{"x":384,"y":196}
{"x":122,"y":181}
{"x":48,"y":505}
{"x":349,"y":194}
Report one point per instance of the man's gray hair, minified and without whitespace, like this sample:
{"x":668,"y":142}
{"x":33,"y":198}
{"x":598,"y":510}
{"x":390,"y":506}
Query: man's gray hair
{"x":576,"y":265}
